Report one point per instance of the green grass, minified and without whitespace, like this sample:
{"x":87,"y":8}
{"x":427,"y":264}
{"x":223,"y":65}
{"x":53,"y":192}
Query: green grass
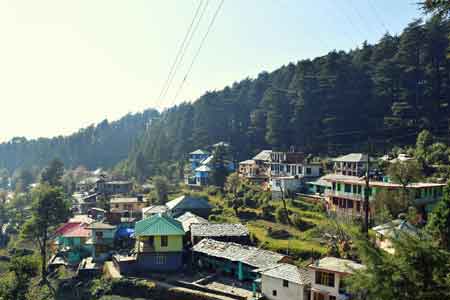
{"x":300,"y":245}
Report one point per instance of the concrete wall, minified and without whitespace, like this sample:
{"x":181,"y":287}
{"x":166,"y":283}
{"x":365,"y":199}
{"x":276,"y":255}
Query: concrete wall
{"x":175,"y":243}
{"x":292,"y":292}
{"x":333,"y":291}
{"x":162,"y":262}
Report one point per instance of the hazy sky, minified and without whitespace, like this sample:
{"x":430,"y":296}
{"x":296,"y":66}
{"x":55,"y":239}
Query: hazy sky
{"x":66,"y":64}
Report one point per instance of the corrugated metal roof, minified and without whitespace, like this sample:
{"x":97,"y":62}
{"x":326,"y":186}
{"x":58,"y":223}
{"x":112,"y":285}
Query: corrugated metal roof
{"x":199,"y":151}
{"x":248,"y":255}
{"x":159,"y":224}
{"x":288,"y":272}
{"x":203,"y":168}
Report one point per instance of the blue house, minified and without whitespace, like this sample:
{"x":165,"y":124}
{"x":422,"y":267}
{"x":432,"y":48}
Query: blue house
{"x":196,"y":157}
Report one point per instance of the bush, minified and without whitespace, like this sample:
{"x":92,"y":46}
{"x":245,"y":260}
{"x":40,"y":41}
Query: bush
{"x":212,"y":190}
{"x":280,"y":215}
{"x":267,"y":212}
{"x":279,"y":234}
{"x":300,"y":223}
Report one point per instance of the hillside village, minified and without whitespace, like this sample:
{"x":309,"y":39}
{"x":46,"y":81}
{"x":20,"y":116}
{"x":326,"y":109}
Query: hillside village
{"x":116,"y":229}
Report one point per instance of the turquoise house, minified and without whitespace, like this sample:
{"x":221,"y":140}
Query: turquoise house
{"x":72,"y":242}
{"x":102,"y":239}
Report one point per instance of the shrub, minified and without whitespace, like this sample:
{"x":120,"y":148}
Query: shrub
{"x":267,"y":212}
{"x":300,"y":223}
{"x":280,"y":215}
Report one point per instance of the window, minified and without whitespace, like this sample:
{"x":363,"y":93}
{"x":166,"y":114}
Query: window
{"x":347,"y":188}
{"x":334,"y":186}
{"x":99,"y":235}
{"x":277,"y":182}
{"x":335,"y":201}
{"x":318,"y":296}
{"x":358,"y":206}
{"x":288,"y":168}
{"x":331,"y":298}
{"x":274,"y":293}
{"x":285,"y":283}
{"x":349,"y":203}
{"x":359,"y":189}
{"x":308,"y":171}
{"x":151,"y":241}
{"x":324,"y":278}
{"x":338,"y":186}
{"x":164,"y":241}
{"x":300,"y":170}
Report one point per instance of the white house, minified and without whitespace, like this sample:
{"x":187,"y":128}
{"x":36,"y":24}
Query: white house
{"x":353,"y":164}
{"x":327,"y":274}
{"x":285,"y":282}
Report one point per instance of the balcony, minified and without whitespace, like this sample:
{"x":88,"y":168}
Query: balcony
{"x":352,"y":196}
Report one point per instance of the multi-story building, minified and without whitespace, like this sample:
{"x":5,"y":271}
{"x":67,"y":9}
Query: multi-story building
{"x":347,"y":194}
{"x":353,"y":164}
{"x":327,"y":274}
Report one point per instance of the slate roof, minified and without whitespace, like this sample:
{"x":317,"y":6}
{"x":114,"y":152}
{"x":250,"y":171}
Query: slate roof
{"x":159,"y":224}
{"x":188,"y":202}
{"x":101,"y":226}
{"x":218,"y":229}
{"x":248,"y":255}
{"x":187,"y":219}
{"x":263,"y":155}
{"x":288,"y":272}
{"x":81,"y":219}
{"x":338,"y":265}
{"x":352,"y":157}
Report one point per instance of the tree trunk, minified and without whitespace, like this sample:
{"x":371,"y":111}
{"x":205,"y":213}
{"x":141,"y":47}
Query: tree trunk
{"x":285,"y":206}
{"x":44,"y":258}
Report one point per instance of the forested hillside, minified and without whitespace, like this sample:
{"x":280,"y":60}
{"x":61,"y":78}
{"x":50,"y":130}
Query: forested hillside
{"x":330,"y":104}
{"x":102,"y":145}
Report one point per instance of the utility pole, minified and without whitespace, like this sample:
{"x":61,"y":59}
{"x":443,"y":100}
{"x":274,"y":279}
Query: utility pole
{"x":366,"y":194}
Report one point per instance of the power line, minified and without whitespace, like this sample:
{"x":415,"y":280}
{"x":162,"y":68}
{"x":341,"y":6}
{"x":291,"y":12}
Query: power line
{"x":198,"y":50}
{"x":363,"y":21}
{"x":377,"y":15}
{"x":180,"y":49}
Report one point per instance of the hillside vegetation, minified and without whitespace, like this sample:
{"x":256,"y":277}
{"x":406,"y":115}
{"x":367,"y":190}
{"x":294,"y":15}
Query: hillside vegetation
{"x":388,"y":91}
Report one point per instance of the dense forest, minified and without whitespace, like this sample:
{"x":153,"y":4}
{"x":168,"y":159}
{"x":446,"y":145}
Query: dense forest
{"x":381,"y":94}
{"x":102,"y":145}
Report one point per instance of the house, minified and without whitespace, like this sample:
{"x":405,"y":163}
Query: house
{"x":97,"y":213}
{"x":202,"y":175}
{"x":327,"y":274}
{"x":232,"y":259}
{"x":385,"y":233}
{"x":346,"y":196}
{"x":188,"y":218}
{"x":187,"y":203}
{"x":133,"y":205}
{"x":284,"y":185}
{"x":102,"y":239}
{"x":196,"y":157}
{"x":153,"y":210}
{"x":105,"y":187}
{"x":285,"y":282}
{"x":282,"y":164}
{"x":256,"y":169}
{"x":353,"y":164}
{"x":70,"y":239}
{"x":319,"y":186}
{"x":224,"y":232}
{"x":159,"y":244}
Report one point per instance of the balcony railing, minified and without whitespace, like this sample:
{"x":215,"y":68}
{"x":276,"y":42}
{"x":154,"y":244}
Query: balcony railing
{"x":352,"y":196}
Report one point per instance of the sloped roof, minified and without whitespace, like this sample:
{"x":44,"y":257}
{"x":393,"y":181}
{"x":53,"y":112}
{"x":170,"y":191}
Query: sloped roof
{"x":203,"y":168}
{"x":249,"y":255}
{"x":263,"y":155}
{"x":218,"y":229}
{"x":207,"y":160}
{"x":159,"y":224}
{"x":125,"y":200}
{"x":81,"y":219}
{"x":288,"y":272}
{"x":66,"y":227}
{"x":154,"y":209}
{"x":352,"y":157}
{"x":101,"y":226}
{"x":247,"y":162}
{"x":78,"y":231}
{"x":187,"y":219}
{"x":390,"y":229}
{"x":188,"y":202}
{"x":336,"y":265}
{"x":199,"y":151}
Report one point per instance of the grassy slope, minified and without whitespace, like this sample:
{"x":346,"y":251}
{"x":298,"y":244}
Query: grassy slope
{"x":301,"y":243}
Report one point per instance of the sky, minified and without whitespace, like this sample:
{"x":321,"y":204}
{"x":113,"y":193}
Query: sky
{"x":66,"y":64}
